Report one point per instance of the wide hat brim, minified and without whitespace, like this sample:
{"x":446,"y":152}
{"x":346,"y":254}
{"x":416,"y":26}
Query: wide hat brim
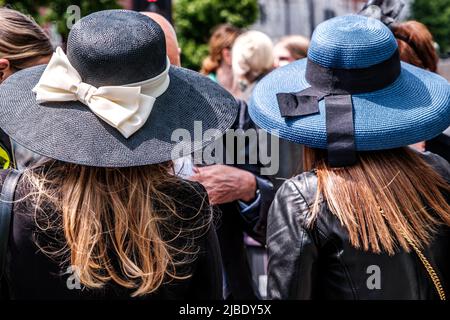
{"x":70,"y":132}
{"x":416,"y":107}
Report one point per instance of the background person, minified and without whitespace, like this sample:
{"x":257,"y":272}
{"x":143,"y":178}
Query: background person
{"x":23,"y":44}
{"x":243,"y":195}
{"x":173,"y":49}
{"x":252,"y":59}
{"x":417,"y":47}
{"x":368,"y":199}
{"x":290,"y":49}
{"x":217,"y":65}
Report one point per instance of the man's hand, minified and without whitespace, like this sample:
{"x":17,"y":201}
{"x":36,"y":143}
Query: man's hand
{"x":226,"y":184}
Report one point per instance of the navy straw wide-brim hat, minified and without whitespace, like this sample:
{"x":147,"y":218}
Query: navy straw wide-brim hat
{"x":119,"y":102}
{"x":352,"y":92}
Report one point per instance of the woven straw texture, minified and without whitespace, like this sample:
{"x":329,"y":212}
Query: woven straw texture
{"x":416,"y":107}
{"x":70,"y":132}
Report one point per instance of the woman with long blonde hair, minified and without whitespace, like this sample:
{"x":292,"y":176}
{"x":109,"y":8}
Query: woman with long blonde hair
{"x":106,"y":216}
{"x":370,"y":217}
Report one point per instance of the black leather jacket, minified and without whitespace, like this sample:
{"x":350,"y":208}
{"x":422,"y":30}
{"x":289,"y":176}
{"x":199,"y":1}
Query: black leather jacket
{"x":320,"y":263}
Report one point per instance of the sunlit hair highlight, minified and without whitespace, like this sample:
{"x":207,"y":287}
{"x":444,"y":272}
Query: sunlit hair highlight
{"x":387,"y":197}
{"x":119,"y":224}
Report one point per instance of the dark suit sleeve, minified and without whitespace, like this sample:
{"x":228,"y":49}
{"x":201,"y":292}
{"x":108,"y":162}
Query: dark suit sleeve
{"x":291,"y":248}
{"x":206,"y":282}
{"x":254,"y":215}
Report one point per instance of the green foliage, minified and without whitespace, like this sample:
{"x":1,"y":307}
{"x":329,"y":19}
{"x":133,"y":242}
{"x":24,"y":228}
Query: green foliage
{"x":194,"y":20}
{"x":435,"y":14}
{"x":57,"y":9}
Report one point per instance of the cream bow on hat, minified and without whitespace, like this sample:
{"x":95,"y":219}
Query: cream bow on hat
{"x":125,"y":108}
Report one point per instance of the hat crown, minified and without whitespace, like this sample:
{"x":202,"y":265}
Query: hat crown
{"x":116,"y":47}
{"x":351,"y":42}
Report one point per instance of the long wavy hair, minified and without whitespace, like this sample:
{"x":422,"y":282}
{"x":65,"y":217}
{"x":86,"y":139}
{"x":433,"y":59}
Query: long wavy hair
{"x":388,"y":197}
{"x":116,"y":225}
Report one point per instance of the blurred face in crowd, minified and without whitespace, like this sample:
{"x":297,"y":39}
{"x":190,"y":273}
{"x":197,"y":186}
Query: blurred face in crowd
{"x":282,"y":56}
{"x":173,"y":49}
{"x":226,"y":56}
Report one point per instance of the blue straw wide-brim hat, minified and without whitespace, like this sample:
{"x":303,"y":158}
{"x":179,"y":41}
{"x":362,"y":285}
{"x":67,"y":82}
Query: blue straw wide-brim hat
{"x":413,"y":107}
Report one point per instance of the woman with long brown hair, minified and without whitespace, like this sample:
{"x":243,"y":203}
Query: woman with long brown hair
{"x":370,"y":217}
{"x":106,"y":216}
{"x":252,"y":59}
{"x":217,"y":65}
